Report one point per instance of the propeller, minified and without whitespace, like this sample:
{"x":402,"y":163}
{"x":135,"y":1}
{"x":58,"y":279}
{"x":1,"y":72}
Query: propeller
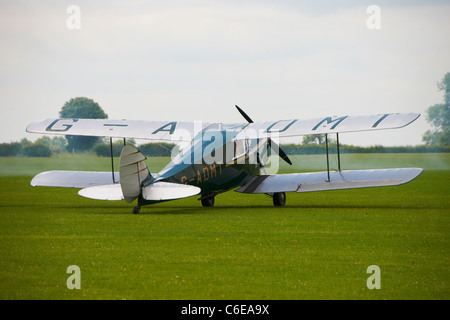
{"x":281,"y":153}
{"x":271,"y":143}
{"x":244,"y":114}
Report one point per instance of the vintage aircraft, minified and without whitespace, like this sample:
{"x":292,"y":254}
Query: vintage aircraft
{"x":219,"y":157}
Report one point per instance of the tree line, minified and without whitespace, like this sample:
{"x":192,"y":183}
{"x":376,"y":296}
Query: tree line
{"x":303,"y":149}
{"x":45,"y":148}
{"x":42,"y":147}
{"x":436,"y":140}
{"x":161,"y":149}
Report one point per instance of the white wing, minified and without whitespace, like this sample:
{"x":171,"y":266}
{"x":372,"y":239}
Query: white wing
{"x":318,"y":181}
{"x":158,"y":191}
{"x":186,"y":131}
{"x":298,"y":127}
{"x":137,"y":129}
{"x":73,"y":179}
{"x":109,"y":192}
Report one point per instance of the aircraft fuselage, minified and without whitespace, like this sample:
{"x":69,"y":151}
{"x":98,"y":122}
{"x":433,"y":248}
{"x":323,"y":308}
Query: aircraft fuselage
{"x":215,"y":162}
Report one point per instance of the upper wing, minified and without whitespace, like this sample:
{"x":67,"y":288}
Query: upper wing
{"x":187,"y":130}
{"x":297,"y":127}
{"x":137,"y":129}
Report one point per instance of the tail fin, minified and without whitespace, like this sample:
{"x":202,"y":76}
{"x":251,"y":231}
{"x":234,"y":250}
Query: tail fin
{"x":133,"y":172}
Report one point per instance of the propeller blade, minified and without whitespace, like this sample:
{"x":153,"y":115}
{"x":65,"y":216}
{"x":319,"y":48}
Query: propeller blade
{"x":244,"y":114}
{"x":281,"y":153}
{"x":261,"y":164}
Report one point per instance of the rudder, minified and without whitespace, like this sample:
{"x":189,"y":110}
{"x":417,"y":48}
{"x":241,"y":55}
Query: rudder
{"x":133,"y":172}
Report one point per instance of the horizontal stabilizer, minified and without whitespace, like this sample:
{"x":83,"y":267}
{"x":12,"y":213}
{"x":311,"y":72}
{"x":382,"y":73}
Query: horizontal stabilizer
{"x":73,"y":179}
{"x":160,"y":191}
{"x":106,"y":192}
{"x":318,"y":181}
{"x":157,"y":191}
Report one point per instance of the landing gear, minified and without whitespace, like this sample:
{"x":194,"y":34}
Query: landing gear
{"x":208,"y":201}
{"x":136,"y":209}
{"x":279,"y":199}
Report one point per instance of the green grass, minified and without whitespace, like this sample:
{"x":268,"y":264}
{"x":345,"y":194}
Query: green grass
{"x":25,"y":166}
{"x":317,"y":247}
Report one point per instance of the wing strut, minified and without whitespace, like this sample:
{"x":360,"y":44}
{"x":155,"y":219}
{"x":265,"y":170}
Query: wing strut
{"x":338,"y":155}
{"x":328,"y":162}
{"x":112,"y":160}
{"x":112,"y":156}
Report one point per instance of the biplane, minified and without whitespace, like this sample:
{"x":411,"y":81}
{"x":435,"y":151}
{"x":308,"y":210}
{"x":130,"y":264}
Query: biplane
{"x":217,"y":157}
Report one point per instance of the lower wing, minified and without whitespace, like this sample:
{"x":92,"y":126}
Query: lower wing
{"x":100,"y":185}
{"x":73,"y":179}
{"x":318,"y":181}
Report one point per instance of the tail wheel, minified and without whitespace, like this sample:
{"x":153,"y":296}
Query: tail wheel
{"x":279,"y":199}
{"x":208,"y":201}
{"x":136,"y":209}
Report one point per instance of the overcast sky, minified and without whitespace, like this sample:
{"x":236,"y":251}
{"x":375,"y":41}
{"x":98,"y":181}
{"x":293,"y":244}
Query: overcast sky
{"x":194,"y":60}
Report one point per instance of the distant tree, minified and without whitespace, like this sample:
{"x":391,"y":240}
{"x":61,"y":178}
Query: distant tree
{"x":17,"y":148}
{"x":104,"y":149}
{"x":25,"y":142}
{"x":439,"y":117}
{"x":56,"y":144}
{"x":160,"y":149}
{"x":10,"y":149}
{"x":82,"y":108}
{"x":37,"y":150}
{"x":314,"y":139}
{"x":59,"y":144}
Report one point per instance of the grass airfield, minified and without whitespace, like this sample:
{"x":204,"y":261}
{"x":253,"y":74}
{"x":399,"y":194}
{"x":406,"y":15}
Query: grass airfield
{"x":317,"y":247}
